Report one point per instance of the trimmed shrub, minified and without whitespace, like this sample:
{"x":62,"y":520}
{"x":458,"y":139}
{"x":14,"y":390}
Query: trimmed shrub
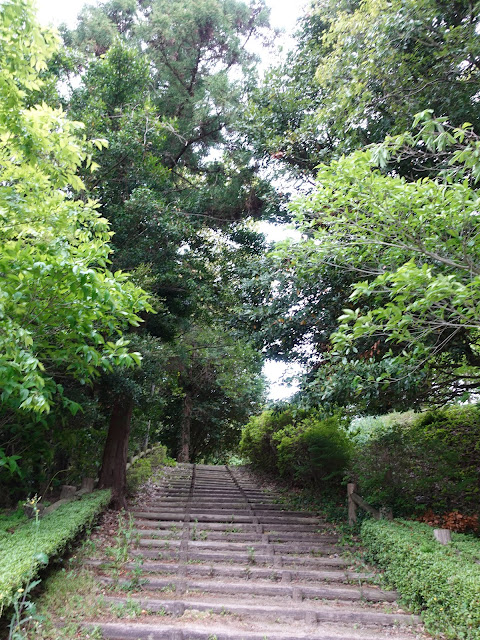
{"x":257,"y":442}
{"x":440,"y":582}
{"x":314,"y":451}
{"x":21,"y":551}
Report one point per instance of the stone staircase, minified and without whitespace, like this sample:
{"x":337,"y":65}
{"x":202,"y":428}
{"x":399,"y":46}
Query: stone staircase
{"x":220,"y":559}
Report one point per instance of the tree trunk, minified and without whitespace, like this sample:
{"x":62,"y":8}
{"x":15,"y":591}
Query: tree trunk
{"x":184,"y":453}
{"x":113,"y":474}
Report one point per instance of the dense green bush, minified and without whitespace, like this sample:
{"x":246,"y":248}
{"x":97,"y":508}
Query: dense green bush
{"x":411,"y":462}
{"x":21,"y":550}
{"x":257,"y":442}
{"x":441,"y":582}
{"x":304,"y":448}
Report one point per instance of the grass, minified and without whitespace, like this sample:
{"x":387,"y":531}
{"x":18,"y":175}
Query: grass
{"x":10,"y":521}
{"x":68,"y":597}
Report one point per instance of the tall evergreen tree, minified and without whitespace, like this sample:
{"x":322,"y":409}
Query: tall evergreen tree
{"x":165,"y":82}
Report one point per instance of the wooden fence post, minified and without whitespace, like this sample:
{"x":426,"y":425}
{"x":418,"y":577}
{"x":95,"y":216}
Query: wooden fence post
{"x":352,"y":507}
{"x":444,"y":536}
{"x":68,"y":492}
{"x":386,"y":513}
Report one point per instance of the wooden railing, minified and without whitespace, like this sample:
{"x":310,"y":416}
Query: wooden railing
{"x":444,"y":536}
{"x":141,"y":454}
{"x":355,"y":501}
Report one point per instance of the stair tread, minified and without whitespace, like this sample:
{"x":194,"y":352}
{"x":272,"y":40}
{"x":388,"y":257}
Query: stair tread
{"x":216,"y":556}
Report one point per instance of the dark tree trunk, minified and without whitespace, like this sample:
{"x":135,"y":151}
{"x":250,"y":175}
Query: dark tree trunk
{"x":184,"y":453}
{"x":113,"y":474}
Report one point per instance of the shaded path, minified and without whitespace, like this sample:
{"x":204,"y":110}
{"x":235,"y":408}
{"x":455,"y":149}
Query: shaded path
{"x":220,"y":559}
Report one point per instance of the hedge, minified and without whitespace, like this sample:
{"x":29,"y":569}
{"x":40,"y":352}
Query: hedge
{"x":440,"y":582}
{"x":19,"y":550}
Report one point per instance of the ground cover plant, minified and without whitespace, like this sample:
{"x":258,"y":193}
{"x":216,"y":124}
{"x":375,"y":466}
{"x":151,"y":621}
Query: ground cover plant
{"x":69,"y":594}
{"x":440,"y":582}
{"x":30,"y":545}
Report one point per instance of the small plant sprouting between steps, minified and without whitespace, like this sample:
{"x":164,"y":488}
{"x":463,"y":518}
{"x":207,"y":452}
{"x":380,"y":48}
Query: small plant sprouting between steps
{"x":136,"y":581}
{"x":126,"y":535}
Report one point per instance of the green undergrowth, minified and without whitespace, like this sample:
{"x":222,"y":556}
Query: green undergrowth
{"x":303,"y":448}
{"x":150,"y":466}
{"x":330,"y":502}
{"x":412,"y":462}
{"x":442,"y":582}
{"x":30,"y":544}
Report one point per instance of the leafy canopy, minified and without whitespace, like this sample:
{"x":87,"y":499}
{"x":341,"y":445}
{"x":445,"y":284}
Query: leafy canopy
{"x":360,"y":71}
{"x":412,"y":249}
{"x":61,"y":310}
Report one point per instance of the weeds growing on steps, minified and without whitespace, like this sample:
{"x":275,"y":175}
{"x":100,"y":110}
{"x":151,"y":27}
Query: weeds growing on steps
{"x":126,"y":536}
{"x":130,"y":608}
{"x":135,"y":580}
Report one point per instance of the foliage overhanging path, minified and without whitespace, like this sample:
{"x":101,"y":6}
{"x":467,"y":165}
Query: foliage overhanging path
{"x":221,"y":558}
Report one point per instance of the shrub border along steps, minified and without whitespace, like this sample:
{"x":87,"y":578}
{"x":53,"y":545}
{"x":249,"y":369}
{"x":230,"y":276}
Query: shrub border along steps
{"x":19,"y":551}
{"x":440,"y":582}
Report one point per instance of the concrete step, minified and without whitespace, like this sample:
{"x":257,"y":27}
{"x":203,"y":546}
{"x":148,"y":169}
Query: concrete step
{"x":204,"y":631}
{"x":234,"y":536}
{"x":224,"y":503}
{"x":260,"y":559}
{"x":308,"y":613}
{"x":215,"y":557}
{"x":226,"y":526}
{"x":239,"y":547}
{"x":225,"y":509}
{"x":287,"y":589}
{"x":228,"y":517}
{"x":227,"y":494}
{"x":242,"y":572}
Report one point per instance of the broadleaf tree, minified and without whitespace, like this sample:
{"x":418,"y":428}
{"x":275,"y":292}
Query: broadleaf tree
{"x":410,"y":332}
{"x":62,"y":311}
{"x":359,"y":72}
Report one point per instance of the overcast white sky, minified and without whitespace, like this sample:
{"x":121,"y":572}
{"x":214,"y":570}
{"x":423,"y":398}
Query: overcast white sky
{"x":284,"y":14}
